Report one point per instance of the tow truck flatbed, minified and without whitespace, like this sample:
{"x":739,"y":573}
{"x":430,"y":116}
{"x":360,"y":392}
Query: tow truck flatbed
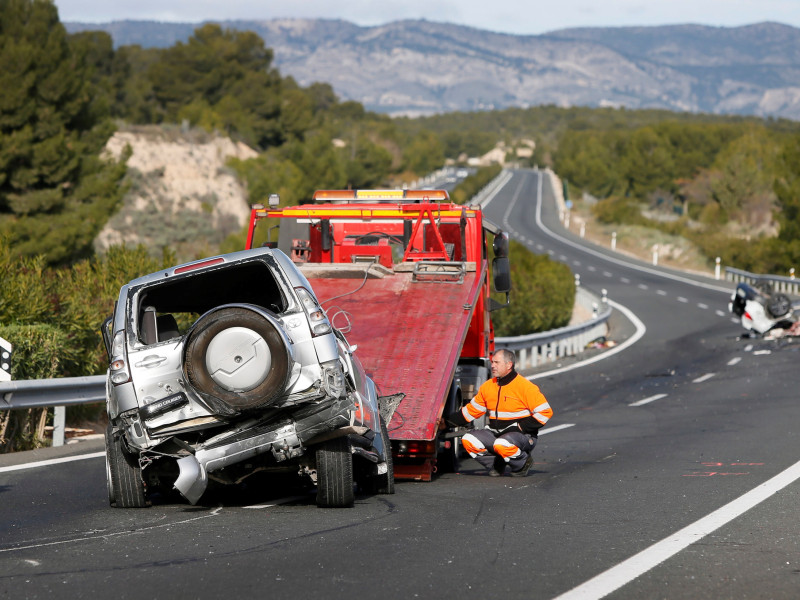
{"x":386,"y":316}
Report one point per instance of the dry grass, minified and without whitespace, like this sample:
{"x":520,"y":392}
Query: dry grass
{"x":639,"y":242}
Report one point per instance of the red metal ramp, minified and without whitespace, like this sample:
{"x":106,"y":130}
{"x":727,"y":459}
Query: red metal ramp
{"x":409,"y":336}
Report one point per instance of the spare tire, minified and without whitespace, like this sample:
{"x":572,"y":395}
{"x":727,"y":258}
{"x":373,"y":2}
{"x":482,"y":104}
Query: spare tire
{"x":779,"y":305}
{"x":237,"y":359}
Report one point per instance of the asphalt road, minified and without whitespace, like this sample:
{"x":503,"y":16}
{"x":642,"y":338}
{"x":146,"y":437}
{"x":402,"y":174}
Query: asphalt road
{"x":668,"y":471}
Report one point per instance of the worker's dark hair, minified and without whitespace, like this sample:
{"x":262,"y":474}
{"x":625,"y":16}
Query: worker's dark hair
{"x":508,"y":356}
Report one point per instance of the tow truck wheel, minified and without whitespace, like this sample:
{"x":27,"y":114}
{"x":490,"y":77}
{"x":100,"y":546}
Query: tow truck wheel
{"x":125,"y":486}
{"x":384,"y":484}
{"x":237,"y":356}
{"x":335,"y":474}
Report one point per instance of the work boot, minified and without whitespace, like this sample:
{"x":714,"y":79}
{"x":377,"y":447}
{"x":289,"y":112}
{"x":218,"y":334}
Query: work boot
{"x":497,"y":468}
{"x":523,"y":472}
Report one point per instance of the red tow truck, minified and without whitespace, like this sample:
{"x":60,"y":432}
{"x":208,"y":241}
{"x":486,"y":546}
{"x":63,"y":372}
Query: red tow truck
{"x":405,"y":275}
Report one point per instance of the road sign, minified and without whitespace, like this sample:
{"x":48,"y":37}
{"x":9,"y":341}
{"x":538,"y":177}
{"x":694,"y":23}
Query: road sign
{"x":5,"y":360}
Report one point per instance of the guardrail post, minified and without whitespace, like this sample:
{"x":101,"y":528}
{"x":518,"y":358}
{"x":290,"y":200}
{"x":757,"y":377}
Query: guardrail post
{"x":614,"y":240}
{"x":583,"y":229}
{"x":717,"y":269}
{"x":655,"y":254}
{"x":59,"y":418}
{"x":791,"y":273}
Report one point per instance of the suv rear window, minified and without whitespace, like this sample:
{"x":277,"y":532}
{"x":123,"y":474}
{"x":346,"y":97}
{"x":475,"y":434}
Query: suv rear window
{"x":168,"y":309}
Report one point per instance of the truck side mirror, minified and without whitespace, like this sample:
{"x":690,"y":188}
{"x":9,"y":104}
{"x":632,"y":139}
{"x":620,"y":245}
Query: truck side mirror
{"x":501,"y":271}
{"x":500,"y":245}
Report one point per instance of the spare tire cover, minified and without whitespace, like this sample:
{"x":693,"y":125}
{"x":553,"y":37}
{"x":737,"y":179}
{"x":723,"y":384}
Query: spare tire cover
{"x":238,"y":357}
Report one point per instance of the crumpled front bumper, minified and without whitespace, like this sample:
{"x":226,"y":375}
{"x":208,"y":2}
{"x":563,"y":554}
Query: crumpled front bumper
{"x":285,"y":439}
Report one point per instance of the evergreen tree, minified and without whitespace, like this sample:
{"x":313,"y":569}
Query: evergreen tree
{"x":55,"y":194}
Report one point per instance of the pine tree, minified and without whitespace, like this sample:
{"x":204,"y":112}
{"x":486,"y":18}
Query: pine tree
{"x":51,"y":132}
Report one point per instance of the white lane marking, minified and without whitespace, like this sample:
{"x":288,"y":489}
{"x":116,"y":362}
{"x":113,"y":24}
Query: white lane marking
{"x":624,"y":280}
{"x":682,"y":299}
{"x":642,"y":286}
{"x":649,"y":558}
{"x":640,"y":331}
{"x":591,"y":268}
{"x":759,"y":352}
{"x":52,"y":461}
{"x":556,"y":428}
{"x":607,"y":274}
{"x":701,"y":305}
{"x":734,"y":320}
{"x":721,"y":314}
{"x":648,"y":400}
{"x":748,"y":347}
{"x":734,"y":360}
{"x":661,"y":292}
{"x":561,"y":257}
{"x":98,"y":536}
{"x":539,"y":247}
{"x":577,"y":263}
{"x":703,"y":378}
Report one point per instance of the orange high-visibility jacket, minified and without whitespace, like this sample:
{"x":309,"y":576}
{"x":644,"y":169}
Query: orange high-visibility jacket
{"x":519,"y":401}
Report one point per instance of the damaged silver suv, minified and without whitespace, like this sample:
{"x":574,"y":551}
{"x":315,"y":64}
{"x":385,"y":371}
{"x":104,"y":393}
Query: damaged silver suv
{"x":227,"y":366}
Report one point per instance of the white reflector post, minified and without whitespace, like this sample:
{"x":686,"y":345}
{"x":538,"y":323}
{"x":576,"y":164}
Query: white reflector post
{"x":5,"y":360}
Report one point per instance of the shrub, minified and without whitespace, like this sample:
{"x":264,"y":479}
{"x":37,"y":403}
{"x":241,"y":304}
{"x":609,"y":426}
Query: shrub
{"x":542,"y":295}
{"x":38,"y":352}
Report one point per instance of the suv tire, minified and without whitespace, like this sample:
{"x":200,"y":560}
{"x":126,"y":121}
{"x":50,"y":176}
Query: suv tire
{"x":212,"y":362}
{"x":384,"y":484}
{"x":335,"y":474}
{"x":124,"y":475}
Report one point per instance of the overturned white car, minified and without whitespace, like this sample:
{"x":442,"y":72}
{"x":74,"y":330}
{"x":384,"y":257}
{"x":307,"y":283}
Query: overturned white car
{"x":227,"y":366}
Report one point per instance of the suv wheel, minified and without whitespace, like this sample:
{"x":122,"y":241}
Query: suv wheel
{"x":384,"y":484}
{"x":238,"y":357}
{"x":335,"y":474}
{"x":125,"y":485}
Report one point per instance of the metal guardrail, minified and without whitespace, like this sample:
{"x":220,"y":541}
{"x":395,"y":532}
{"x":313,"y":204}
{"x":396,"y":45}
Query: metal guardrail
{"x":785,"y":285}
{"x":548,"y":346}
{"x":59,"y":393}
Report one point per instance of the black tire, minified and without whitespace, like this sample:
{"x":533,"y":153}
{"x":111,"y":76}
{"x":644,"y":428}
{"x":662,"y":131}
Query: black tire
{"x":335,"y":474}
{"x":384,"y":484}
{"x":268,"y":375}
{"x":125,"y":485}
{"x":447,"y":459}
{"x":779,"y":305}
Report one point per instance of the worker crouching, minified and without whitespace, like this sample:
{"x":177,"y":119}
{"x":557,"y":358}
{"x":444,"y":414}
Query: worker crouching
{"x":516,"y":409}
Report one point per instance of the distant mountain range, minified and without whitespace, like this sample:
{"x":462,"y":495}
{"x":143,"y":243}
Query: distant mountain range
{"x":423,"y":67}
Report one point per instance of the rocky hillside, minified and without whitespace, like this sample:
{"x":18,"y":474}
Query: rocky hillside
{"x":413,"y":67}
{"x":181,"y":195}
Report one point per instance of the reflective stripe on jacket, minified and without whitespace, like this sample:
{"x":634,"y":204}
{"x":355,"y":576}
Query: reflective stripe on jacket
{"x":519,"y":401}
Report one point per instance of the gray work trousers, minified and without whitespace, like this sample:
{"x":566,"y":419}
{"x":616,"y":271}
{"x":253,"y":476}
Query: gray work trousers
{"x":494,"y":444}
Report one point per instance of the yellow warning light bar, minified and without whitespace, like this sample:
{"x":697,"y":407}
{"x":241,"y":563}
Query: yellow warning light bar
{"x":381,"y":195}
{"x":311,"y":211}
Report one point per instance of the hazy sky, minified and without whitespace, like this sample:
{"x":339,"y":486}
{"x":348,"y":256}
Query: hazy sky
{"x":508,"y":16}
